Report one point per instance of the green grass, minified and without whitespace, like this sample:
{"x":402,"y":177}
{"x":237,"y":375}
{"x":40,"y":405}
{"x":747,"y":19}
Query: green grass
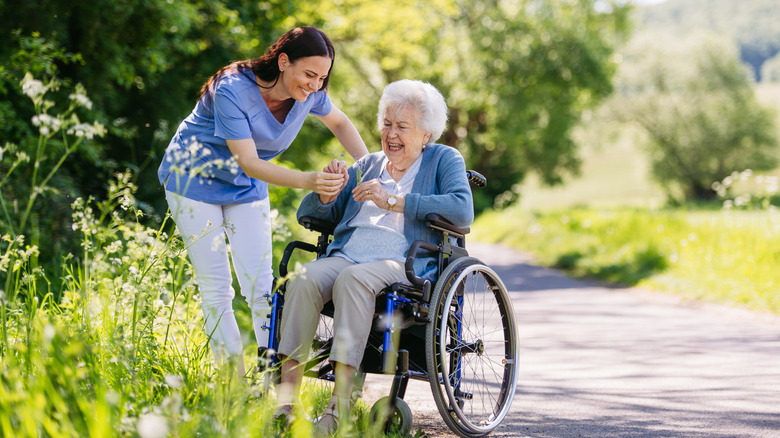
{"x":123,"y":351}
{"x":722,"y":256}
{"x":614,"y":173}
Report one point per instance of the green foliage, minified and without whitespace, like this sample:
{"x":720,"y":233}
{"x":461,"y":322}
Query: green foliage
{"x":31,"y":174}
{"x":516,"y":76}
{"x":697,"y":105}
{"x":143,"y":62}
{"x":123,"y":352}
{"x":752,"y":24}
{"x":726,"y":256}
{"x":533,"y":69}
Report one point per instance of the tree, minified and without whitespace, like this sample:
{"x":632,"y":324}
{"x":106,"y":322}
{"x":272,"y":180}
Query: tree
{"x":141,"y":61}
{"x":516,"y":75}
{"x":696,"y":102}
{"x":534,"y":67}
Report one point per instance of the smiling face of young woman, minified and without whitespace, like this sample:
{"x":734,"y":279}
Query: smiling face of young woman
{"x":402,"y":138}
{"x":304,"y":76}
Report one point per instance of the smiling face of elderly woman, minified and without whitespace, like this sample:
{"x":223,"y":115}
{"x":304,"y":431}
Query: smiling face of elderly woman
{"x":402,"y":137}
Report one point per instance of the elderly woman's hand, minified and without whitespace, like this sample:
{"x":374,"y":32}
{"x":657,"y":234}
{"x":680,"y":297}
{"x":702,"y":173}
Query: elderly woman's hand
{"x":371,"y":191}
{"x":335,"y":167}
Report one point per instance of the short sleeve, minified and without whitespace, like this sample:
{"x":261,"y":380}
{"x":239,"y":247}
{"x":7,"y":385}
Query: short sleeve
{"x":322,"y":105}
{"x":230,"y":122}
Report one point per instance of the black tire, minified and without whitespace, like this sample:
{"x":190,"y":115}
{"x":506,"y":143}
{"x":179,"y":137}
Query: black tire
{"x":471,"y":348}
{"x":399,"y":421}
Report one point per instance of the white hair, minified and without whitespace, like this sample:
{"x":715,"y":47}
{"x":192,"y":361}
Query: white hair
{"x":424,"y":99}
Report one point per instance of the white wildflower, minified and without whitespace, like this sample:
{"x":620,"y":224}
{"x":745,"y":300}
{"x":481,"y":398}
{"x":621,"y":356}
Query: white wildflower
{"x":218,"y":243}
{"x":174,"y":381}
{"x":152,"y":426}
{"x":33,"y":87}
{"x":82,"y":130}
{"x":771,"y":184}
{"x":81,"y":99}
{"x":126,"y":203}
{"x":115,"y":246}
{"x":48,"y":332}
{"x":742,"y":200}
{"x":46,"y":123}
{"x":87,"y":130}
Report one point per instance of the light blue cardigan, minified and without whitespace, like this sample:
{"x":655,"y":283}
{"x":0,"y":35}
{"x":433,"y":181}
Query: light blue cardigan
{"x":440,"y":187}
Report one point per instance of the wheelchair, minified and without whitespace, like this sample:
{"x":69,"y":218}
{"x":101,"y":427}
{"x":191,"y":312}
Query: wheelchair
{"x":458,"y":334}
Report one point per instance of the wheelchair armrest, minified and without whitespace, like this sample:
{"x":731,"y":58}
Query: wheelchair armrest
{"x":288,"y":250}
{"x":433,"y":220}
{"x":318,"y":225}
{"x":476,"y":178}
{"x":325,"y":229}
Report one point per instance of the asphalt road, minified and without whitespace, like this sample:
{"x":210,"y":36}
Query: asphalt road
{"x":604,"y":362}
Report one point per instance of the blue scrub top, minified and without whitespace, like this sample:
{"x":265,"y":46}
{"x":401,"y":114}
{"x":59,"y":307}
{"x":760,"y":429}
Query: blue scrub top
{"x":195,"y":164}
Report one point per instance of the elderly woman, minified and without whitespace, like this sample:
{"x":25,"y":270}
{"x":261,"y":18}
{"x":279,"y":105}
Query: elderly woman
{"x":378,"y":217}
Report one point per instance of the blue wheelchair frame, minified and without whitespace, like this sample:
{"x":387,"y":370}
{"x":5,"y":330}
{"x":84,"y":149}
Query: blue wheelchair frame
{"x":412,"y":303}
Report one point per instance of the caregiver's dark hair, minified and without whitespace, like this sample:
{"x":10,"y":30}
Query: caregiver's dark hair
{"x":297,"y":43}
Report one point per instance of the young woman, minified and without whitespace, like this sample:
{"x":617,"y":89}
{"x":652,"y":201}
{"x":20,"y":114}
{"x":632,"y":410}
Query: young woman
{"x":216,"y":172}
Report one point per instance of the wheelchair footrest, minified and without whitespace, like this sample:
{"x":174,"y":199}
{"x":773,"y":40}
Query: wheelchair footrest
{"x":406,"y":291}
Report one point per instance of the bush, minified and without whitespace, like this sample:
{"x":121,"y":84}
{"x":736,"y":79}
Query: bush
{"x":695,"y":100}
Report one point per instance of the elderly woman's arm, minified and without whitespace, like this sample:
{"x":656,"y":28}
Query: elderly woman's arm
{"x":454,"y":201}
{"x":312,"y":204}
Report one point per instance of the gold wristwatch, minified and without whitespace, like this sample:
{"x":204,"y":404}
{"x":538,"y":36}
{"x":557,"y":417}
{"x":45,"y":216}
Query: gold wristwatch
{"x":391,"y":201}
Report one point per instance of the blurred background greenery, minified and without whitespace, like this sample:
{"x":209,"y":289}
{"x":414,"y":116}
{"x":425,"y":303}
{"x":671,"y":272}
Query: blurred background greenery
{"x":559,"y":103}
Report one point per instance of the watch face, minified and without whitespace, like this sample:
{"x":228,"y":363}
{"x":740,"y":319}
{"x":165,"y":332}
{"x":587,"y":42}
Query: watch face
{"x":391,"y":200}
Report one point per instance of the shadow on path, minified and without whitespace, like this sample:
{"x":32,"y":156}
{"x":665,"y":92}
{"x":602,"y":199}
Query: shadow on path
{"x":604,"y":362}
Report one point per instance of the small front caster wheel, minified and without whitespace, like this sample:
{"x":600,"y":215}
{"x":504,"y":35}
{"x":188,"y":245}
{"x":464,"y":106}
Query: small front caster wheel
{"x":397,"y":420}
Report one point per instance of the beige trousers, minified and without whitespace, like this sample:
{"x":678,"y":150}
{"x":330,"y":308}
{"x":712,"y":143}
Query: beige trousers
{"x":353,"y":289}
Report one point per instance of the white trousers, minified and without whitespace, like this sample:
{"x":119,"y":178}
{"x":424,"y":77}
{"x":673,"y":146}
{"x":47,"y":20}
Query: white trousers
{"x":248,"y":227}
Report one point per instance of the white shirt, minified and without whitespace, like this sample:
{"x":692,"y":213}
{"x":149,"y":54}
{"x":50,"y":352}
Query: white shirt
{"x":379,"y":233}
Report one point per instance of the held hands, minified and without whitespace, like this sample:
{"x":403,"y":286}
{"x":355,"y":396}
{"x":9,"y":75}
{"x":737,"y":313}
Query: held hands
{"x":330,"y":181}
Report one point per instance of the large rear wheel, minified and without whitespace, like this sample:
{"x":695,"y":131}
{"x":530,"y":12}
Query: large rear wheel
{"x":471,"y":348}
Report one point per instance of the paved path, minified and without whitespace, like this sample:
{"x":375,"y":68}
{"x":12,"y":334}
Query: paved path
{"x":604,"y":362}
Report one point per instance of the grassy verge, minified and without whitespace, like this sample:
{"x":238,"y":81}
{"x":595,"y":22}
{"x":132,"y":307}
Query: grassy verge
{"x":115,"y":346}
{"x":123,"y":353}
{"x":721,"y":256}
